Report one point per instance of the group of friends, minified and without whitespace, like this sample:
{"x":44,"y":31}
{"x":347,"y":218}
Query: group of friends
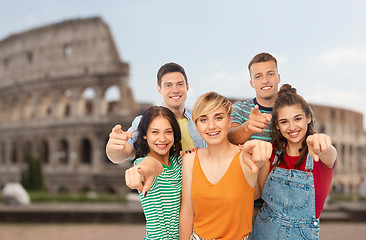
{"x":252,"y":170}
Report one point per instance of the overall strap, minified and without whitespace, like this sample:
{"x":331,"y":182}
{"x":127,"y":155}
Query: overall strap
{"x":276,"y":157}
{"x":309,"y":163}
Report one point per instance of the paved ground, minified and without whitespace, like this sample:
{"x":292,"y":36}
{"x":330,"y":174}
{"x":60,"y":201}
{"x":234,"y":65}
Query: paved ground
{"x":339,"y":221}
{"x":328,"y":231}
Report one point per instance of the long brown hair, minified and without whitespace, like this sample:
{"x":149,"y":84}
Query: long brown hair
{"x":141,"y":146}
{"x":287,"y":96}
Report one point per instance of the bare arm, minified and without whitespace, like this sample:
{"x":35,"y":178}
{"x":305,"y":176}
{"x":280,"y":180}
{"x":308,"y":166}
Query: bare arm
{"x":239,"y":134}
{"x":186,"y":210}
{"x":262,"y":178}
{"x":254,"y":156}
{"x":257,"y":122}
{"x":118,"y":149}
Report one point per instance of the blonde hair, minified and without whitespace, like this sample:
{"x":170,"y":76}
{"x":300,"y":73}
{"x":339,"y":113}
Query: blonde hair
{"x":208,"y":103}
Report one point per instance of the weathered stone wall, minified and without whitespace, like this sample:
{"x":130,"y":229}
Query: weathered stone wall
{"x":53,"y":86}
{"x":345,"y":127}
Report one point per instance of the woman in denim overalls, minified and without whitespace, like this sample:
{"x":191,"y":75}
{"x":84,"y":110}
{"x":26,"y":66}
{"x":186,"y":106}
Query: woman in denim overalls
{"x":289,"y":210}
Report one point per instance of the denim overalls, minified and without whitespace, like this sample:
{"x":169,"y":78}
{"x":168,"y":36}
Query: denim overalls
{"x":289,"y":208}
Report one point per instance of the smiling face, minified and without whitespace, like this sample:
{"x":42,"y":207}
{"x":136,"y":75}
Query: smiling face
{"x":159,"y":137}
{"x":293,"y":124}
{"x":213,"y":127}
{"x":265,"y":80}
{"x":173,"y":90}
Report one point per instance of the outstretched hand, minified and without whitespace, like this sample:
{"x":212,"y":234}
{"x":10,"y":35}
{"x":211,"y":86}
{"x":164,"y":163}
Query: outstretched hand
{"x":140,"y":177}
{"x":318,"y":143}
{"x":118,"y":138}
{"x":256,"y":153}
{"x":258,"y":121}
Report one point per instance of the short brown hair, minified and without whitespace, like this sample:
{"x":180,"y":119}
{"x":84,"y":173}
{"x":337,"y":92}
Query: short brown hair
{"x":262,"y":57}
{"x":169,"y":68}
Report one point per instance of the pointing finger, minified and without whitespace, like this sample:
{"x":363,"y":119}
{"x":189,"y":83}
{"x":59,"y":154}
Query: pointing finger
{"x":256,"y":110}
{"x":117,"y":128}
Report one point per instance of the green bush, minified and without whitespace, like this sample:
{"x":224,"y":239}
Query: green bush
{"x":32,"y":177}
{"x":69,"y":197}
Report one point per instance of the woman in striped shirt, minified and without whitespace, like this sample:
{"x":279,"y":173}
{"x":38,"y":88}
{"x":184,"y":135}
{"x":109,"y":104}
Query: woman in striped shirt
{"x":156,"y":173}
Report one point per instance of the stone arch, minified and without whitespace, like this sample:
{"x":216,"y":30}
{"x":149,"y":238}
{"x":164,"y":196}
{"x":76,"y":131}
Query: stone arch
{"x":15,"y":110}
{"x":3,"y":111}
{"x":63,"y":152}
{"x":29,"y":108}
{"x":86,"y":101}
{"x":45,"y":105}
{"x":27,"y":150}
{"x":85,"y":151}
{"x":112,"y":98}
{"x":106,"y":159}
{"x":65,"y":104}
{"x":44,"y":152}
{"x":14,"y":153}
{"x":67,"y":50}
{"x":3,"y":153}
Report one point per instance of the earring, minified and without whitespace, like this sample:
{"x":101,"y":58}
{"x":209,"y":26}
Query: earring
{"x":144,"y":137}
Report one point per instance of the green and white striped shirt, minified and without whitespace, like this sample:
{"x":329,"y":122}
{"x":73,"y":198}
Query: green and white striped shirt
{"x":241,"y":114}
{"x":162,"y":202}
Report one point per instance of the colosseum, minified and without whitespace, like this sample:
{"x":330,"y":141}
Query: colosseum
{"x":54,"y":86}
{"x":345,"y":127}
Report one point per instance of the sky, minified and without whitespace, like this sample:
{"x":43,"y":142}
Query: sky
{"x":320,"y":45}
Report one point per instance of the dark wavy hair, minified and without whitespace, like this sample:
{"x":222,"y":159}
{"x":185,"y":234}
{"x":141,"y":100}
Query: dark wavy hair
{"x":141,"y":146}
{"x":287,"y":96}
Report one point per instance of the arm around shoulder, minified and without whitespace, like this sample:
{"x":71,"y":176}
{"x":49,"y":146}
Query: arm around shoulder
{"x":186,"y":210}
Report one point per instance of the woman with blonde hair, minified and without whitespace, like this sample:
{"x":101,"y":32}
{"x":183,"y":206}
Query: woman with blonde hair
{"x":219,"y":180}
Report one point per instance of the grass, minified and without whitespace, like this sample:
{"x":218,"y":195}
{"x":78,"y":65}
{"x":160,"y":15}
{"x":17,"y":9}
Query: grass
{"x":45,"y":197}
{"x":346,"y":198}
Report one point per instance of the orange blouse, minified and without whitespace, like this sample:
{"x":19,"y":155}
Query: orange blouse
{"x":223,"y":210}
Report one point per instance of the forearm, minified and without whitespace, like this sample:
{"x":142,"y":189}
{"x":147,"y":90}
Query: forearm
{"x":153,"y":165}
{"x":258,"y":192}
{"x":185,"y":225}
{"x":239,"y":134}
{"x":118,"y":156}
{"x":328,"y":157}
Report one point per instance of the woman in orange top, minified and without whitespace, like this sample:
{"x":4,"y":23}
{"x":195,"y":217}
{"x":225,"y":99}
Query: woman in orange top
{"x":219,"y":181}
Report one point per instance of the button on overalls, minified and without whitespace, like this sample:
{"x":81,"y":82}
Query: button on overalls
{"x":289,"y":208}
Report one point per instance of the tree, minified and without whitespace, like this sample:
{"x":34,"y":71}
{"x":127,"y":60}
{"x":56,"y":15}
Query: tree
{"x":32,"y":177}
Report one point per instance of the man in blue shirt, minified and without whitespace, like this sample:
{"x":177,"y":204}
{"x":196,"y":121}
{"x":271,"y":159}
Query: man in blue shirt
{"x":173,"y":87}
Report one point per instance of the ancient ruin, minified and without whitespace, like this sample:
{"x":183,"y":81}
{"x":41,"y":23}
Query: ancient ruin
{"x":54,"y":86}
